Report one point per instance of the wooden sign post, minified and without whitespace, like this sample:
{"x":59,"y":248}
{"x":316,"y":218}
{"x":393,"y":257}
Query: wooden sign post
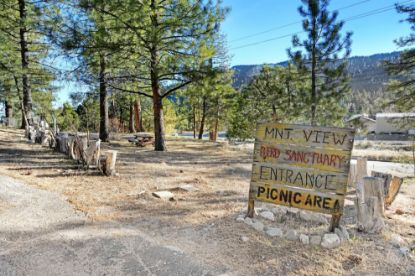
{"x":301,"y":166}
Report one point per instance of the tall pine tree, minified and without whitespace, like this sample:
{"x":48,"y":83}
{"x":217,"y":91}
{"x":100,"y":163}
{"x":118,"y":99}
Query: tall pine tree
{"x":323,"y":59}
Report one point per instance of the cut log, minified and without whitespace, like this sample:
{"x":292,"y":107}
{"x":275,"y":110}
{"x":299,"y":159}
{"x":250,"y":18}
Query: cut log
{"x":370,"y":204}
{"x":61,"y":143}
{"x":91,"y":154}
{"x":108,"y":167}
{"x":394,"y":187}
{"x":391,"y":184}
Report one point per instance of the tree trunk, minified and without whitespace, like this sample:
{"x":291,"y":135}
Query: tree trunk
{"x":103,"y":102}
{"x":138,"y":118}
{"x":202,"y":122}
{"x":313,"y":78}
{"x":131,"y":126}
{"x":159,"y":143}
{"x":24,"y":52}
{"x":9,"y":112}
{"x":194,"y":121}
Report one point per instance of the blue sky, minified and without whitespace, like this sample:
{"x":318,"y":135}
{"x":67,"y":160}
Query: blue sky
{"x":372,"y":34}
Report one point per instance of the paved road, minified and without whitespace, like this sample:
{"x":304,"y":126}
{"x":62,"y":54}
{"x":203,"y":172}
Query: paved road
{"x":40,"y":234}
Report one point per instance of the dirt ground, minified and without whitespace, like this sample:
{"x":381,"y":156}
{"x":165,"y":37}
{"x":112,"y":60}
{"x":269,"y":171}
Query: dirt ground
{"x":202,"y":223}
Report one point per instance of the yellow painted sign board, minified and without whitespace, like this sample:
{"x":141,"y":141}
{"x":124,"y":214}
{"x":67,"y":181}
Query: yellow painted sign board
{"x":301,"y":166}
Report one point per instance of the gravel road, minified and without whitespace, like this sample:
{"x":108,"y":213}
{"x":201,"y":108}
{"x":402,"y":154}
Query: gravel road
{"x":41,"y":234}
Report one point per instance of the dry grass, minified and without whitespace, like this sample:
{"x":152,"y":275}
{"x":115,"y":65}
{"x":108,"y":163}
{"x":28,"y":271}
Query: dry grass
{"x":201,"y":223}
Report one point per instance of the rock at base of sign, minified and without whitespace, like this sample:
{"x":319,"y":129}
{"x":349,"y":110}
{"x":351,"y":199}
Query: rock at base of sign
{"x":293,"y":212}
{"x":248,"y":221}
{"x":291,"y":235}
{"x":397,"y":240}
{"x":304,"y":239}
{"x":330,"y":241}
{"x":267,"y":215}
{"x":404,"y":250}
{"x":274,"y":232}
{"x":257,"y":225}
{"x":308,"y":216}
{"x":315,"y":240}
{"x":345,"y":233}
{"x":279,"y":211}
{"x":240,"y":218}
{"x":166,"y":195}
{"x":244,"y":239}
{"x":339,"y":233}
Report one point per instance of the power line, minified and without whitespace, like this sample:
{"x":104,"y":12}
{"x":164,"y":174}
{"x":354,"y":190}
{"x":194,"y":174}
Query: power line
{"x":291,"y":24}
{"x":359,"y":16}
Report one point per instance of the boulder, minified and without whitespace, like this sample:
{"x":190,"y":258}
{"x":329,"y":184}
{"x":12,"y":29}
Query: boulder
{"x":274,"y":232}
{"x":257,"y":225}
{"x":165,"y":195}
{"x":248,"y":221}
{"x":330,"y":241}
{"x":267,"y":215}
{"x":345,"y":232}
{"x":339,"y":233}
{"x":304,"y":239}
{"x":244,"y":239}
{"x":312,"y":217}
{"x":291,"y":235}
{"x":315,"y":239}
{"x":397,"y":240}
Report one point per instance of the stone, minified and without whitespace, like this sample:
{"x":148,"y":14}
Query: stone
{"x":165,"y":195}
{"x":240,"y":218}
{"x":248,"y":221}
{"x":274,"y":232}
{"x":293,"y":212}
{"x":267,"y":215}
{"x":330,"y":241}
{"x":187,"y":188}
{"x":257,"y":225}
{"x":315,"y":239}
{"x":404,"y":250}
{"x":397,"y":240}
{"x":339,"y":233}
{"x":244,"y":239}
{"x":308,"y":216}
{"x":304,"y":239}
{"x":345,"y":232}
{"x":291,"y":235}
{"x":279,"y":211}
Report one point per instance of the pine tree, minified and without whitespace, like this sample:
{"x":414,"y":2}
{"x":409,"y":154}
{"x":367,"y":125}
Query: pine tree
{"x":403,"y":97}
{"x":325,"y":51}
{"x":167,"y":39}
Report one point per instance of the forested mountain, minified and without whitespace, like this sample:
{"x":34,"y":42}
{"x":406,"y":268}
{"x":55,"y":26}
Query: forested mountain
{"x":367,"y":72}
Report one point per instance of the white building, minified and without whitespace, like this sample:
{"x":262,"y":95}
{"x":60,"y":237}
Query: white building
{"x":399,"y":123}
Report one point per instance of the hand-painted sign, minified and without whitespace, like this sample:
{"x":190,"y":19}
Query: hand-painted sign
{"x":301,"y":166}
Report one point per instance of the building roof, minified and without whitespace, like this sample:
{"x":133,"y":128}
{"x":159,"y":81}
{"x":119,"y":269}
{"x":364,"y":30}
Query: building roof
{"x":360,"y":116}
{"x":395,"y":115}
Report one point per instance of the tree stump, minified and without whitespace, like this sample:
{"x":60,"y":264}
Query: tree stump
{"x":108,"y":166}
{"x":370,"y":204}
{"x":91,"y":154}
{"x":391,"y":184}
{"x":361,"y":169}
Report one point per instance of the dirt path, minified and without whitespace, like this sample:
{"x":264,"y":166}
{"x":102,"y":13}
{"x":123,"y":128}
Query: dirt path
{"x":121,"y":215}
{"x":41,"y":234}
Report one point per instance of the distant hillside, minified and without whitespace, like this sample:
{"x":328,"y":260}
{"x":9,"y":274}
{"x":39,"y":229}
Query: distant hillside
{"x":366,"y":72}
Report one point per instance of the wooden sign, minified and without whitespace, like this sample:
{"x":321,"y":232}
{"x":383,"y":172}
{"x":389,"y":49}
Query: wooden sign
{"x":301,"y":166}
